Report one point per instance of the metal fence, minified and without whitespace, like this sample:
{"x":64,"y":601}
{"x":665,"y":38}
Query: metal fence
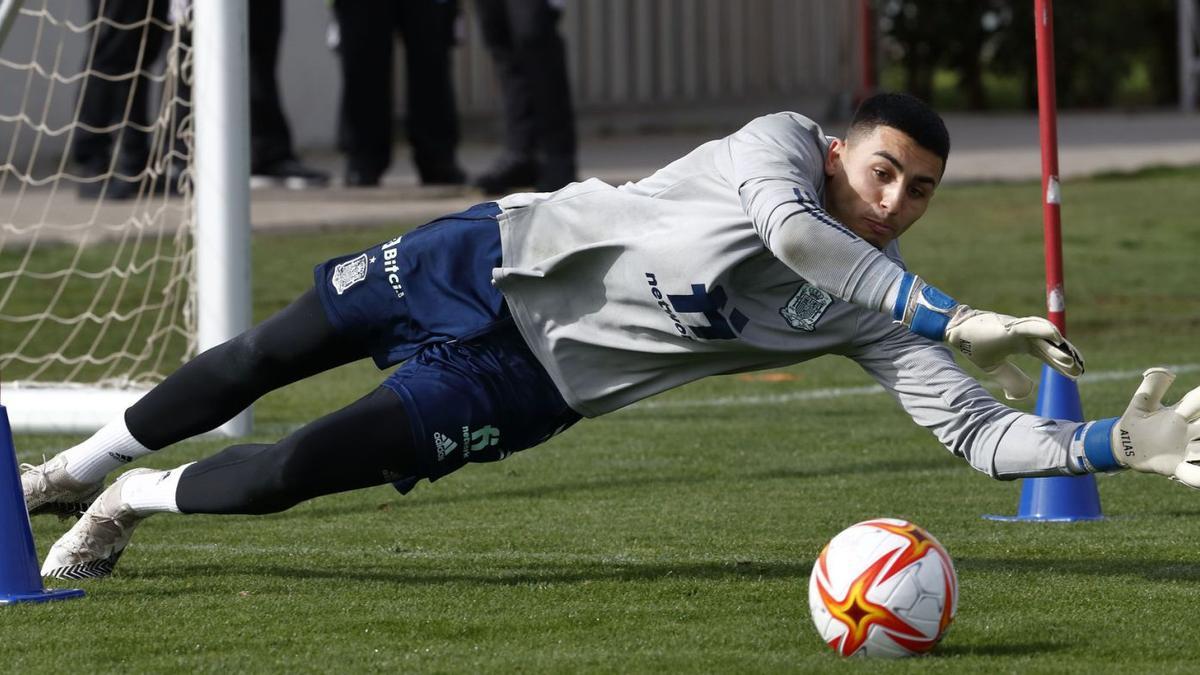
{"x":635,"y":54}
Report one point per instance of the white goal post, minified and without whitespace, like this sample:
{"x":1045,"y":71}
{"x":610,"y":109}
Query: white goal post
{"x":83,"y":334}
{"x":222,"y":112}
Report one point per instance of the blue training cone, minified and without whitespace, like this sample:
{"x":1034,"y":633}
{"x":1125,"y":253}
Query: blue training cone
{"x":1058,"y":498}
{"x":20,"y":580}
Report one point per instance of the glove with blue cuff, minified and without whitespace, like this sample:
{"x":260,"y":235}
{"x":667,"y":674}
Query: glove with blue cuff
{"x":986,"y":339}
{"x":1149,"y":437}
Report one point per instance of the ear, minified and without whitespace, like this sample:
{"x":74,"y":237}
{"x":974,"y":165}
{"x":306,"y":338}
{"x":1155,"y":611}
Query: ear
{"x":833,"y":158}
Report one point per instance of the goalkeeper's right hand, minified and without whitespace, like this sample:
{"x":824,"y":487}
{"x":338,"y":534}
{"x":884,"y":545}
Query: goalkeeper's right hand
{"x":986,"y":339}
{"x":1149,"y":437}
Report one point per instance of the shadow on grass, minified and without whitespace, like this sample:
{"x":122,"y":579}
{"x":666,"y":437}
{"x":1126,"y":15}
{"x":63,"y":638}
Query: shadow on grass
{"x":529,"y":571}
{"x":1150,"y":569}
{"x":161,"y":580}
{"x":1017,"y":649}
{"x":424,"y":498}
{"x":1182,"y":513}
{"x":514,"y":574}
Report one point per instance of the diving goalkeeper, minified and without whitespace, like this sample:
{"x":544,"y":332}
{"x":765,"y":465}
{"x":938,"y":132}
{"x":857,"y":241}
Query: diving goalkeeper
{"x":513,"y":320}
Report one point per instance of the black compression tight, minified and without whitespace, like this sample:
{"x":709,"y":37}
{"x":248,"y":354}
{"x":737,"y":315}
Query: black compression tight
{"x":210,"y":389}
{"x":364,"y":444}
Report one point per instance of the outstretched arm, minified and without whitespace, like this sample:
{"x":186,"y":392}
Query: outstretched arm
{"x":777,"y":163}
{"x":931,"y":387}
{"x":1005,"y":443}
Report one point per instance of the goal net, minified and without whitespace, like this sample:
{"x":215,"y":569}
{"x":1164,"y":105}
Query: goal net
{"x":98,"y":296}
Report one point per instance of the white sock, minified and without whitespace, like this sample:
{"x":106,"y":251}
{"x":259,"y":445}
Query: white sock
{"x":152,"y":492}
{"x":110,"y":447}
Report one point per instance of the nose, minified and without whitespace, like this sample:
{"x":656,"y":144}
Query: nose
{"x":891,"y":197}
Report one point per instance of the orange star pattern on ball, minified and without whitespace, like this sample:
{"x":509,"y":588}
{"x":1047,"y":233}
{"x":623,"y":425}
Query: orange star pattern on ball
{"x":859,"y":614}
{"x":919,"y":544}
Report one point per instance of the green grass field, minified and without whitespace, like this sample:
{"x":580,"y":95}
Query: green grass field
{"x":678,"y":536}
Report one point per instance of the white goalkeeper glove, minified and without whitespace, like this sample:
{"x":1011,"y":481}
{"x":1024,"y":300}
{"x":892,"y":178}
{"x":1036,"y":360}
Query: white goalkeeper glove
{"x":986,"y":339}
{"x":1149,"y":437}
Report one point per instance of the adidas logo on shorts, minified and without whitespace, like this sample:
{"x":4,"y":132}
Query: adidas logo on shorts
{"x":443,"y":444}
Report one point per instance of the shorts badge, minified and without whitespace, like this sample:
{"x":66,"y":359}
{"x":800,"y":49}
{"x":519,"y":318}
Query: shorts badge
{"x":348,"y":273}
{"x":806,"y":307}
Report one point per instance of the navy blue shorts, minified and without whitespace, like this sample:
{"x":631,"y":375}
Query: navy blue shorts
{"x":433,"y":284}
{"x":473,"y":390}
{"x":478,"y":400}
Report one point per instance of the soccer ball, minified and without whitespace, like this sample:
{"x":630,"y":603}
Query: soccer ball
{"x":883,"y":587}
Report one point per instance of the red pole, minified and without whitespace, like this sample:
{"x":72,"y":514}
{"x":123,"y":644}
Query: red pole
{"x":1043,"y":12}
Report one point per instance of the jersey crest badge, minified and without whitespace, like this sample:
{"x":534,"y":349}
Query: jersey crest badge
{"x":348,"y":273}
{"x":806,"y":307}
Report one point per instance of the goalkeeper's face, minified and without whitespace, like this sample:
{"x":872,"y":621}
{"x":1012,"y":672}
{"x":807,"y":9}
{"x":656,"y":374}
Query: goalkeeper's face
{"x":880,"y":183}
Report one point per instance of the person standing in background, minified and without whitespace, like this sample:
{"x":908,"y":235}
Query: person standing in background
{"x":272,"y":160}
{"x":365,"y":42}
{"x":539,"y":121}
{"x":105,"y":98}
{"x":118,"y":50}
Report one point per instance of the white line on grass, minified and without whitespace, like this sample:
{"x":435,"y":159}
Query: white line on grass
{"x":760,"y":400}
{"x":842,"y":392}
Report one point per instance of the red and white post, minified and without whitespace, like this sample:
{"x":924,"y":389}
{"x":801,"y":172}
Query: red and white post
{"x":1067,"y":498}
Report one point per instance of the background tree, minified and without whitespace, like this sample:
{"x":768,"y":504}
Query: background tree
{"x":1099,"y":44}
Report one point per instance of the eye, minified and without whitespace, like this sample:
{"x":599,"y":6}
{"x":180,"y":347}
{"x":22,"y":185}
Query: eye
{"x":915,"y":193}
{"x":879,"y":173}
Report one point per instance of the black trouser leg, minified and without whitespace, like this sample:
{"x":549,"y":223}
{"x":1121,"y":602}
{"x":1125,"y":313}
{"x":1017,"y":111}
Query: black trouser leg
{"x":531,"y":62}
{"x":367,"y":31}
{"x":116,"y":52}
{"x":210,"y":389}
{"x":364,"y":444}
{"x":427,"y":29}
{"x":541,"y":56}
{"x":270,"y":138}
{"x":520,"y":131}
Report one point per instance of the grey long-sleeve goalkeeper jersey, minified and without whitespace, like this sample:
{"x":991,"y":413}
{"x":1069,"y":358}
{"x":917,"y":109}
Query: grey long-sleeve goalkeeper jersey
{"x":725,"y":261}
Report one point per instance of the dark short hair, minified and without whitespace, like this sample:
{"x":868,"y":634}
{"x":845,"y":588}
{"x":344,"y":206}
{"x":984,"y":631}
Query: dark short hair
{"x":906,"y":113}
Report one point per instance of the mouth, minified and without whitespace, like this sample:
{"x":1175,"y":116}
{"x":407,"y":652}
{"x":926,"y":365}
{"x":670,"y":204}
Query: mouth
{"x":878,"y":228}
